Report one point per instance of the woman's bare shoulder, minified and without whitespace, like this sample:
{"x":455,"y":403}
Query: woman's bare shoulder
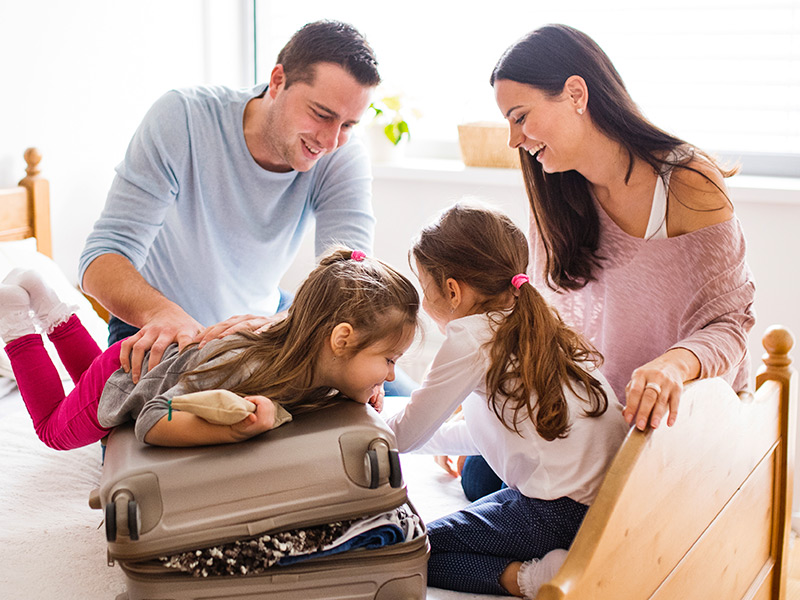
{"x":698,"y":197}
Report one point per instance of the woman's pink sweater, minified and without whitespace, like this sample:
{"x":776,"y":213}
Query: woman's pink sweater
{"x":693,"y":291}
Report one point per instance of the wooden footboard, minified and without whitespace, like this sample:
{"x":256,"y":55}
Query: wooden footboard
{"x":701,"y":509}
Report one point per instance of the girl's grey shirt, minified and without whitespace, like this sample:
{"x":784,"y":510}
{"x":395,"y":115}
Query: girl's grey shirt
{"x":146,"y":402}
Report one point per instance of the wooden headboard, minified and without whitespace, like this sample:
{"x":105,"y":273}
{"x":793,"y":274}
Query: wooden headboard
{"x":699,"y":510}
{"x":25,"y":209}
{"x":25,"y":213}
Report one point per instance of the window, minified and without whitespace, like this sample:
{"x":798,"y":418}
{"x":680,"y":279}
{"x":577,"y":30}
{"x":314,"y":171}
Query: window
{"x":723,"y":74}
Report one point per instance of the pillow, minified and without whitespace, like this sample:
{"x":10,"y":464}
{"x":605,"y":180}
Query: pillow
{"x":23,"y":254}
{"x":223,"y":407}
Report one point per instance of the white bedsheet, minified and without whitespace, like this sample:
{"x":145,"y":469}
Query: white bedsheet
{"x":52,"y":545}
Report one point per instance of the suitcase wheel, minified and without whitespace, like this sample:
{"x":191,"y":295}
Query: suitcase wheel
{"x":111,"y":522}
{"x":128,"y":507}
{"x":133,"y":520}
{"x":378,"y":460}
{"x":373,"y":469}
{"x":395,"y":472}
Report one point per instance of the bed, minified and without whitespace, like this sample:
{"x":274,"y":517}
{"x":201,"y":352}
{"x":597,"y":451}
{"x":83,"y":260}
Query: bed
{"x":700,"y":510}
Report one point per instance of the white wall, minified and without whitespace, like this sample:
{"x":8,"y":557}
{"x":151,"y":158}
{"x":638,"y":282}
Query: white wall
{"x":406,"y":198}
{"x":77,"y":78}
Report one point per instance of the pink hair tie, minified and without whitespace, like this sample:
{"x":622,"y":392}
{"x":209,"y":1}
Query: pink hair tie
{"x":358,"y":255}
{"x":518,"y":279}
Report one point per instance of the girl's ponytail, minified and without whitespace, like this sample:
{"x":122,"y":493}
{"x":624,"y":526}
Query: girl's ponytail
{"x":534,"y":352}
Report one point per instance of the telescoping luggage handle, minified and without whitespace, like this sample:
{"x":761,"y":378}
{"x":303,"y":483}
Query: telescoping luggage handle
{"x":380,"y":460}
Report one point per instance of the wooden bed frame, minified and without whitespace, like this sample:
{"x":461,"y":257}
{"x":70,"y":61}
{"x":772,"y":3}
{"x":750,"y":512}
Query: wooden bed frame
{"x":699,"y":510}
{"x":25,"y":209}
{"x":25,"y":213}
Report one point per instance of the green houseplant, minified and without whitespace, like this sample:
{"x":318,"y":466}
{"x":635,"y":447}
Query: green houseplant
{"x":387,"y":113}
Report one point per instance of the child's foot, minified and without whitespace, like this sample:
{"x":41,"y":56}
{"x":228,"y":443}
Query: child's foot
{"x":15,"y":313}
{"x":534,"y":573}
{"x":48,"y":310}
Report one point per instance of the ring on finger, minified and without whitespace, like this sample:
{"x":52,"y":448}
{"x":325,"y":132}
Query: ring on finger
{"x":652,"y":385}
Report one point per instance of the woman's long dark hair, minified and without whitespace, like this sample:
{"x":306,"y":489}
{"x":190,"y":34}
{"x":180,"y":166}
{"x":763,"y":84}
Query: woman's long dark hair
{"x":561,"y":203}
{"x":533,"y":354}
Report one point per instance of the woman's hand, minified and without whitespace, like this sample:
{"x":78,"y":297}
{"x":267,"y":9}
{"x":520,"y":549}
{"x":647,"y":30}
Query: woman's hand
{"x":655,"y":388}
{"x":259,"y":421}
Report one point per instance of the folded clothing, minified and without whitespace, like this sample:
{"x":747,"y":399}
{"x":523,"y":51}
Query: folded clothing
{"x":252,"y":556}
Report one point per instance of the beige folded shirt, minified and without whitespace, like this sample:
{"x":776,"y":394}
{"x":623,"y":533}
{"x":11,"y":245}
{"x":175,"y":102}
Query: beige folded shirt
{"x":223,"y":407}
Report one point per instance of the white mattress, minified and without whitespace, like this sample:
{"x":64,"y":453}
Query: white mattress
{"x":53,"y":544}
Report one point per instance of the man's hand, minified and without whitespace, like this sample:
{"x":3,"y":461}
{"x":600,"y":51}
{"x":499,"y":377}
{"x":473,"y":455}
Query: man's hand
{"x":166,"y":327}
{"x":236,"y":324}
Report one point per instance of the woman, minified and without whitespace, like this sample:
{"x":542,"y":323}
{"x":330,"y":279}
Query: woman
{"x":631,"y":227}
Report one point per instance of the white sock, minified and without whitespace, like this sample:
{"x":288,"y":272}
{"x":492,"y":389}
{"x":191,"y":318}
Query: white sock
{"x":48,"y":310}
{"x":15,"y":313}
{"x":533,"y":573}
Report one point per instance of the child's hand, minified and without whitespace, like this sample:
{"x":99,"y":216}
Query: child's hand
{"x":263,"y":419}
{"x":447,"y":464}
{"x":377,"y":399}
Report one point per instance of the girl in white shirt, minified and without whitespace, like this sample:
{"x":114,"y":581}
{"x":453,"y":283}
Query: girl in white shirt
{"x":534,"y":404}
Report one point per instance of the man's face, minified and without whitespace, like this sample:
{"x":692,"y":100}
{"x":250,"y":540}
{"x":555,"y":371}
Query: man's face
{"x":292,"y":128}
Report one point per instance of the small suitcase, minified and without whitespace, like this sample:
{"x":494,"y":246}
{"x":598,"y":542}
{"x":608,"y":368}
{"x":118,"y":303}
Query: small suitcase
{"x":337,"y":463}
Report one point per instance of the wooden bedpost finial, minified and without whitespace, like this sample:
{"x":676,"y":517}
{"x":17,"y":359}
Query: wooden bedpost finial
{"x":32,"y":157}
{"x":777,"y":341}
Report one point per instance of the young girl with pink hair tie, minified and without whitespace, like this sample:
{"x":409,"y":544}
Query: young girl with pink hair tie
{"x":352,"y":318}
{"x":534,"y":405}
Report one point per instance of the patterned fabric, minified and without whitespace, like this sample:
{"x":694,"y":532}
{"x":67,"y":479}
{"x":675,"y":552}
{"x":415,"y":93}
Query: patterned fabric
{"x":252,"y":556}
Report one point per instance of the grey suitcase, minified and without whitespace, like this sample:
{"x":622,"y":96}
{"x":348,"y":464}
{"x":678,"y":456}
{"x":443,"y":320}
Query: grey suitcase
{"x":338,"y":463}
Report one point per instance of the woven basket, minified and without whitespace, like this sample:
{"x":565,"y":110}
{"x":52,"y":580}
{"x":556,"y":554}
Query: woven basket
{"x":485,"y":144}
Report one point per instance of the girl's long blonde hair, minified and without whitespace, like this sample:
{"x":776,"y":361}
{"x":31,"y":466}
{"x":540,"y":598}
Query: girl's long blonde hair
{"x":533,"y":354}
{"x":376,"y":300}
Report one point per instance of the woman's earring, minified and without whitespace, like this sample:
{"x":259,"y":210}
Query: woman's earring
{"x":580,"y":111}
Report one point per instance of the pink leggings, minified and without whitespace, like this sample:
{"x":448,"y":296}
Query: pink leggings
{"x":63,"y":422}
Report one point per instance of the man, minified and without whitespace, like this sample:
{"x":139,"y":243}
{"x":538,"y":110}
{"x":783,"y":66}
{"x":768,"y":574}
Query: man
{"x":217,"y":187}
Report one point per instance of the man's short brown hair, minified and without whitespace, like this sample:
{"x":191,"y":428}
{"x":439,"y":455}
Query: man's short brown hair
{"x":332,"y":42}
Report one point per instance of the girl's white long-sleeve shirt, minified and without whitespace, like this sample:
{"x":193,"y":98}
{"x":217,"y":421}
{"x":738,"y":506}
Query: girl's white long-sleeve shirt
{"x":573,"y":466}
